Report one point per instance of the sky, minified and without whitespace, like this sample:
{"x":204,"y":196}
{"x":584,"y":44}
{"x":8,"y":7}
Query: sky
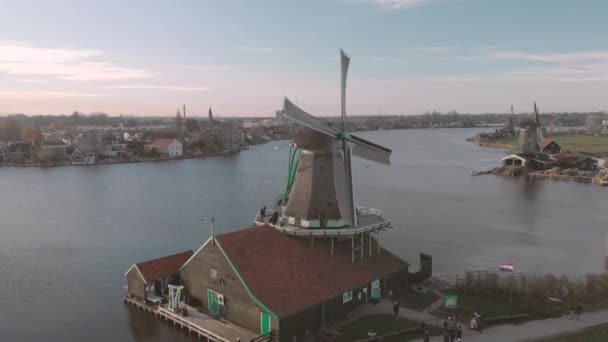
{"x":147,"y":58}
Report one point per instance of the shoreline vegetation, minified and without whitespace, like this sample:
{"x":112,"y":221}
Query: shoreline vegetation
{"x":586,"y":144}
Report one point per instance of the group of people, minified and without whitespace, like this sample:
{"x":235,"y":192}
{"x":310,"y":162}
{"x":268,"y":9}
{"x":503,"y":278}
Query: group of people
{"x":452,"y":331}
{"x":273,"y":219}
{"x":475,"y":324}
{"x":575,"y":310}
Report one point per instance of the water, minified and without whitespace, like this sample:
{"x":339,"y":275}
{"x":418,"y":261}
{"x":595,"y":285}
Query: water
{"x":67,"y":235}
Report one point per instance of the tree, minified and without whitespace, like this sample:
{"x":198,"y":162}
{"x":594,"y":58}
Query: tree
{"x":9,"y":128}
{"x":31,"y":134}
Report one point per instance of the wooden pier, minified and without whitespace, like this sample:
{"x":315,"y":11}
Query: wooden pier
{"x":196,"y":324}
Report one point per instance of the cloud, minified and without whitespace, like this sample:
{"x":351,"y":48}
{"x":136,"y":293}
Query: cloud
{"x":159,"y":87}
{"x":434,"y":49}
{"x":576,"y":57}
{"x":21,"y":95}
{"x":263,"y":50}
{"x":395,"y":4}
{"x":34,"y":81}
{"x":67,"y":64}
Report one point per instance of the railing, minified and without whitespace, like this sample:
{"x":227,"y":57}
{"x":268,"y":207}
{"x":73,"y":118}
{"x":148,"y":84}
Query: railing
{"x":185,"y":323}
{"x":269,"y":337}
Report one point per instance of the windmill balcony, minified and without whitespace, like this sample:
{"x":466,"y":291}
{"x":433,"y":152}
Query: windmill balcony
{"x":368,"y":220}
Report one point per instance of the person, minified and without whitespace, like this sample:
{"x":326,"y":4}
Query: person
{"x":459,"y":333}
{"x":423,"y":326}
{"x":263,"y":213}
{"x":426,"y":337}
{"x":479,"y":323}
{"x":473,"y":324}
{"x":396,"y":310}
{"x":275,"y":218}
{"x":578,"y":311}
{"x":452,"y":334}
{"x":572,"y":308}
{"x":445,"y":324}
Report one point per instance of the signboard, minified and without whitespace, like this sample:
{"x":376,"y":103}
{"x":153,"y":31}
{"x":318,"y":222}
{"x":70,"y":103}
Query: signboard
{"x":450,"y":301}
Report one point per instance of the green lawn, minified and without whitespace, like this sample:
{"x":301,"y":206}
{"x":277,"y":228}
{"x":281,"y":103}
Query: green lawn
{"x":408,"y":298}
{"x":595,"y":334}
{"x":382,"y":324}
{"x":487,"y":306}
{"x":591,"y":144}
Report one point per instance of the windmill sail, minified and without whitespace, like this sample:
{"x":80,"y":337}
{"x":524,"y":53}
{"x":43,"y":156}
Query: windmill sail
{"x":294,"y":112}
{"x":342,"y":184}
{"x":344,"y":62}
{"x":368,"y":150}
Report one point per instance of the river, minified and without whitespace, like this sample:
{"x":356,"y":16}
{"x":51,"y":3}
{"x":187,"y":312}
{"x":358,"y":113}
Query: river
{"x":68,"y":234}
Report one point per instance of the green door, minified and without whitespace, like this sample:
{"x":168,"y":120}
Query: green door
{"x":265,"y":322}
{"x":214,"y":305}
{"x":376,"y":290}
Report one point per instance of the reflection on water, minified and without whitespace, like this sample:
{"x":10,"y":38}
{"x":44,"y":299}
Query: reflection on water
{"x":69,"y":234}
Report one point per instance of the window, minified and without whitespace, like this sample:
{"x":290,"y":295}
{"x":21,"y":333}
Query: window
{"x":213,"y":274}
{"x":347,"y":296}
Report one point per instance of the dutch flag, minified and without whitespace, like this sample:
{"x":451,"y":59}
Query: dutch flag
{"x":508,"y":267}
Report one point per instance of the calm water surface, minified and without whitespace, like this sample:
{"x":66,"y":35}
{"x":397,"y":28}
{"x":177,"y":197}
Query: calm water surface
{"x":67,"y":235}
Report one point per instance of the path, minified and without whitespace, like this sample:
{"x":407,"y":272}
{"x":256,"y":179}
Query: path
{"x":536,"y":330}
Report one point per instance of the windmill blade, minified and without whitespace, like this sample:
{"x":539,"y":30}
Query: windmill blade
{"x":293,"y":112}
{"x":368,"y":150}
{"x":342,"y":183}
{"x":344,"y":62}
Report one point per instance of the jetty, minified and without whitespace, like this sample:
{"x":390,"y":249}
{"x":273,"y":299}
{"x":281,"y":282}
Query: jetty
{"x":195,"y":323}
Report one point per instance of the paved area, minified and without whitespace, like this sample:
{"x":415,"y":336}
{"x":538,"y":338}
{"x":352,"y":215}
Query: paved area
{"x":535,"y":330}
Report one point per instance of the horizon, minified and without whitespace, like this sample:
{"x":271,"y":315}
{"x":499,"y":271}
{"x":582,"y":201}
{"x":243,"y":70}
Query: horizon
{"x":241,"y":59}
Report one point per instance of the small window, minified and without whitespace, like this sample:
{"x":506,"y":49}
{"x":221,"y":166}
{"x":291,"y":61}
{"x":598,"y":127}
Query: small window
{"x":213,"y":274}
{"x":347,"y":296}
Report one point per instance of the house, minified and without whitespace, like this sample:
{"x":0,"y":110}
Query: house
{"x":578,"y":161}
{"x":514,"y":160}
{"x":168,"y":147}
{"x":80,"y":158}
{"x":550,"y":146}
{"x":266,"y":281}
{"x":148,"y":280}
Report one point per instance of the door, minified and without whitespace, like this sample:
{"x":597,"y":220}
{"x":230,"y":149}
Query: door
{"x":214,"y":305}
{"x":376,"y":290}
{"x":265,"y":323}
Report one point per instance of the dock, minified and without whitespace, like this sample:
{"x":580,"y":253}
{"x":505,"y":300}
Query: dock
{"x":198,"y":325}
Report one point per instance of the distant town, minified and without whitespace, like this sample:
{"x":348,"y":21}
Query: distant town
{"x":97,"y":138}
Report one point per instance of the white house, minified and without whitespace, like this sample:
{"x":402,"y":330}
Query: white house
{"x":168,"y":147}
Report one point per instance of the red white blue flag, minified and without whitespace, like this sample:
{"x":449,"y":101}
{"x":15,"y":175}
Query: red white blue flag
{"x":507,"y":267}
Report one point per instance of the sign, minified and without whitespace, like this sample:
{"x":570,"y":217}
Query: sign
{"x":450,"y":301}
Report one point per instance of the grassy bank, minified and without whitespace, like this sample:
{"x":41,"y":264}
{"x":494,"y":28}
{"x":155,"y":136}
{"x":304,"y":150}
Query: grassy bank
{"x":585,"y":144}
{"x":408,"y":298}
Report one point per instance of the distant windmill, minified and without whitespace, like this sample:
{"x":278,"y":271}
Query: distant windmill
{"x":530,"y":135}
{"x":323,"y":188}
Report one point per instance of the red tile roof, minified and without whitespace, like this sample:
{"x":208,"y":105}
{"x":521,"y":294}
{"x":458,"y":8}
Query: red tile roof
{"x":546,"y":142}
{"x":162,"y":141}
{"x":163,"y":267}
{"x":567,"y":157}
{"x":289,"y":274}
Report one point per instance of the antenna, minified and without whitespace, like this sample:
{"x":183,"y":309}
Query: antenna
{"x":211,"y":221}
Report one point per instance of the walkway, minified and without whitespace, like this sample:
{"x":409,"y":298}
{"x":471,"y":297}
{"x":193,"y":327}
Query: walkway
{"x":536,"y":330}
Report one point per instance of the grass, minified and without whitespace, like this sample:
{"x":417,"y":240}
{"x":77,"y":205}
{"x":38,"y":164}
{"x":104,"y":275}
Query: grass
{"x":382,"y":324}
{"x":485,"y":305}
{"x":586,"y":144}
{"x":596,"y":334}
{"x":408,"y":298}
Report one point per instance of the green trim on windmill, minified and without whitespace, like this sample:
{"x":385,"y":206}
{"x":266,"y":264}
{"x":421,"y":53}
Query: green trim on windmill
{"x":294,"y":158}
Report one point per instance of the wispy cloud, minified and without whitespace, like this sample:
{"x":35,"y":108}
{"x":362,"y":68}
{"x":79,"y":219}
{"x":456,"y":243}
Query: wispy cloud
{"x":159,"y":87}
{"x":262,"y":49}
{"x":22,"y":95}
{"x":576,"y":57}
{"x":34,"y":80}
{"x":395,"y":4}
{"x":68,"y":64}
{"x":434,"y":49}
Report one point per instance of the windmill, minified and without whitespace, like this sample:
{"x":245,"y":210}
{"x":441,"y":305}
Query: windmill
{"x":530,"y":135}
{"x":322,"y":194}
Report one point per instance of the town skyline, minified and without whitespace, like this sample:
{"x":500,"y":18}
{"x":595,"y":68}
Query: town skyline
{"x":409,"y":57}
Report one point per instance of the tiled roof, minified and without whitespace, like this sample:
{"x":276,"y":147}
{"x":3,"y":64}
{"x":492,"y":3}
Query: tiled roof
{"x":163,"y":267}
{"x":289,"y":274}
{"x":546,"y":142}
{"x":162,"y":142}
{"x":567,"y":157}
